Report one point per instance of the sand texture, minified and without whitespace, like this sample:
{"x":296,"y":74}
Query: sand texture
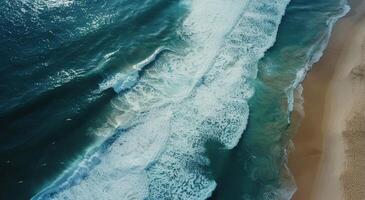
{"x":334,"y":115}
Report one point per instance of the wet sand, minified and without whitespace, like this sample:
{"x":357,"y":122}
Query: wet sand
{"x":332,"y":91}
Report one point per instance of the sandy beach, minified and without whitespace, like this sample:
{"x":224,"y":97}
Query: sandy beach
{"x":327,"y":162}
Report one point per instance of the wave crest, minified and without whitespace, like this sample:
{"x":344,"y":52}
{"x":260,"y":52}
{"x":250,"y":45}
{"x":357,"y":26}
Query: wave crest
{"x":180,"y":103}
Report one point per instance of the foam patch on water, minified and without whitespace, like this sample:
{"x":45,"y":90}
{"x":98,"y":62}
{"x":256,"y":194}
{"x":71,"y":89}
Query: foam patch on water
{"x":48,"y":4}
{"x":58,"y":3}
{"x":177,"y":105}
{"x":125,"y":81}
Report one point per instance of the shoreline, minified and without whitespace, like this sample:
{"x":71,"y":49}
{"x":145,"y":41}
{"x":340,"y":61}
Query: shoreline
{"x":318,"y":161}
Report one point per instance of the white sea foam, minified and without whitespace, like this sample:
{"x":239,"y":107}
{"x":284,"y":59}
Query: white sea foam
{"x":58,"y":3}
{"x":126,"y":80}
{"x":178,"y":104}
{"x":47,"y":4}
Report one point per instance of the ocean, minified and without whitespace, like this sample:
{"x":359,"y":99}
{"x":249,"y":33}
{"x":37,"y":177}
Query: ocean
{"x":154,"y":99}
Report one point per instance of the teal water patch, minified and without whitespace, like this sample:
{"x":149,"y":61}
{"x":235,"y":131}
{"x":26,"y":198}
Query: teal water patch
{"x":256,"y":168}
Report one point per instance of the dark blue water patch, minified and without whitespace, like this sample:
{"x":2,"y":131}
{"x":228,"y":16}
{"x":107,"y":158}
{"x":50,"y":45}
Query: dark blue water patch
{"x":52,"y":62}
{"x":42,"y":66}
{"x":255,"y":168}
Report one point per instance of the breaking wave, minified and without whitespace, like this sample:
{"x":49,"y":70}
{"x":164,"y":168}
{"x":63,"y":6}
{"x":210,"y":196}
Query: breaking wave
{"x":169,"y":105}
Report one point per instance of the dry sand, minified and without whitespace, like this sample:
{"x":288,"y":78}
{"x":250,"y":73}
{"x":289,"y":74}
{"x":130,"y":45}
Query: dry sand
{"x":333,"y":92}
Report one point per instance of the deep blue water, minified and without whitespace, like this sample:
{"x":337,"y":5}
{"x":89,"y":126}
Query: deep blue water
{"x":153,"y":99}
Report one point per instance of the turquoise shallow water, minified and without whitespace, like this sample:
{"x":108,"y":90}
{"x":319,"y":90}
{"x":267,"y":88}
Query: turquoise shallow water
{"x":256,"y":167}
{"x":153,"y":99}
